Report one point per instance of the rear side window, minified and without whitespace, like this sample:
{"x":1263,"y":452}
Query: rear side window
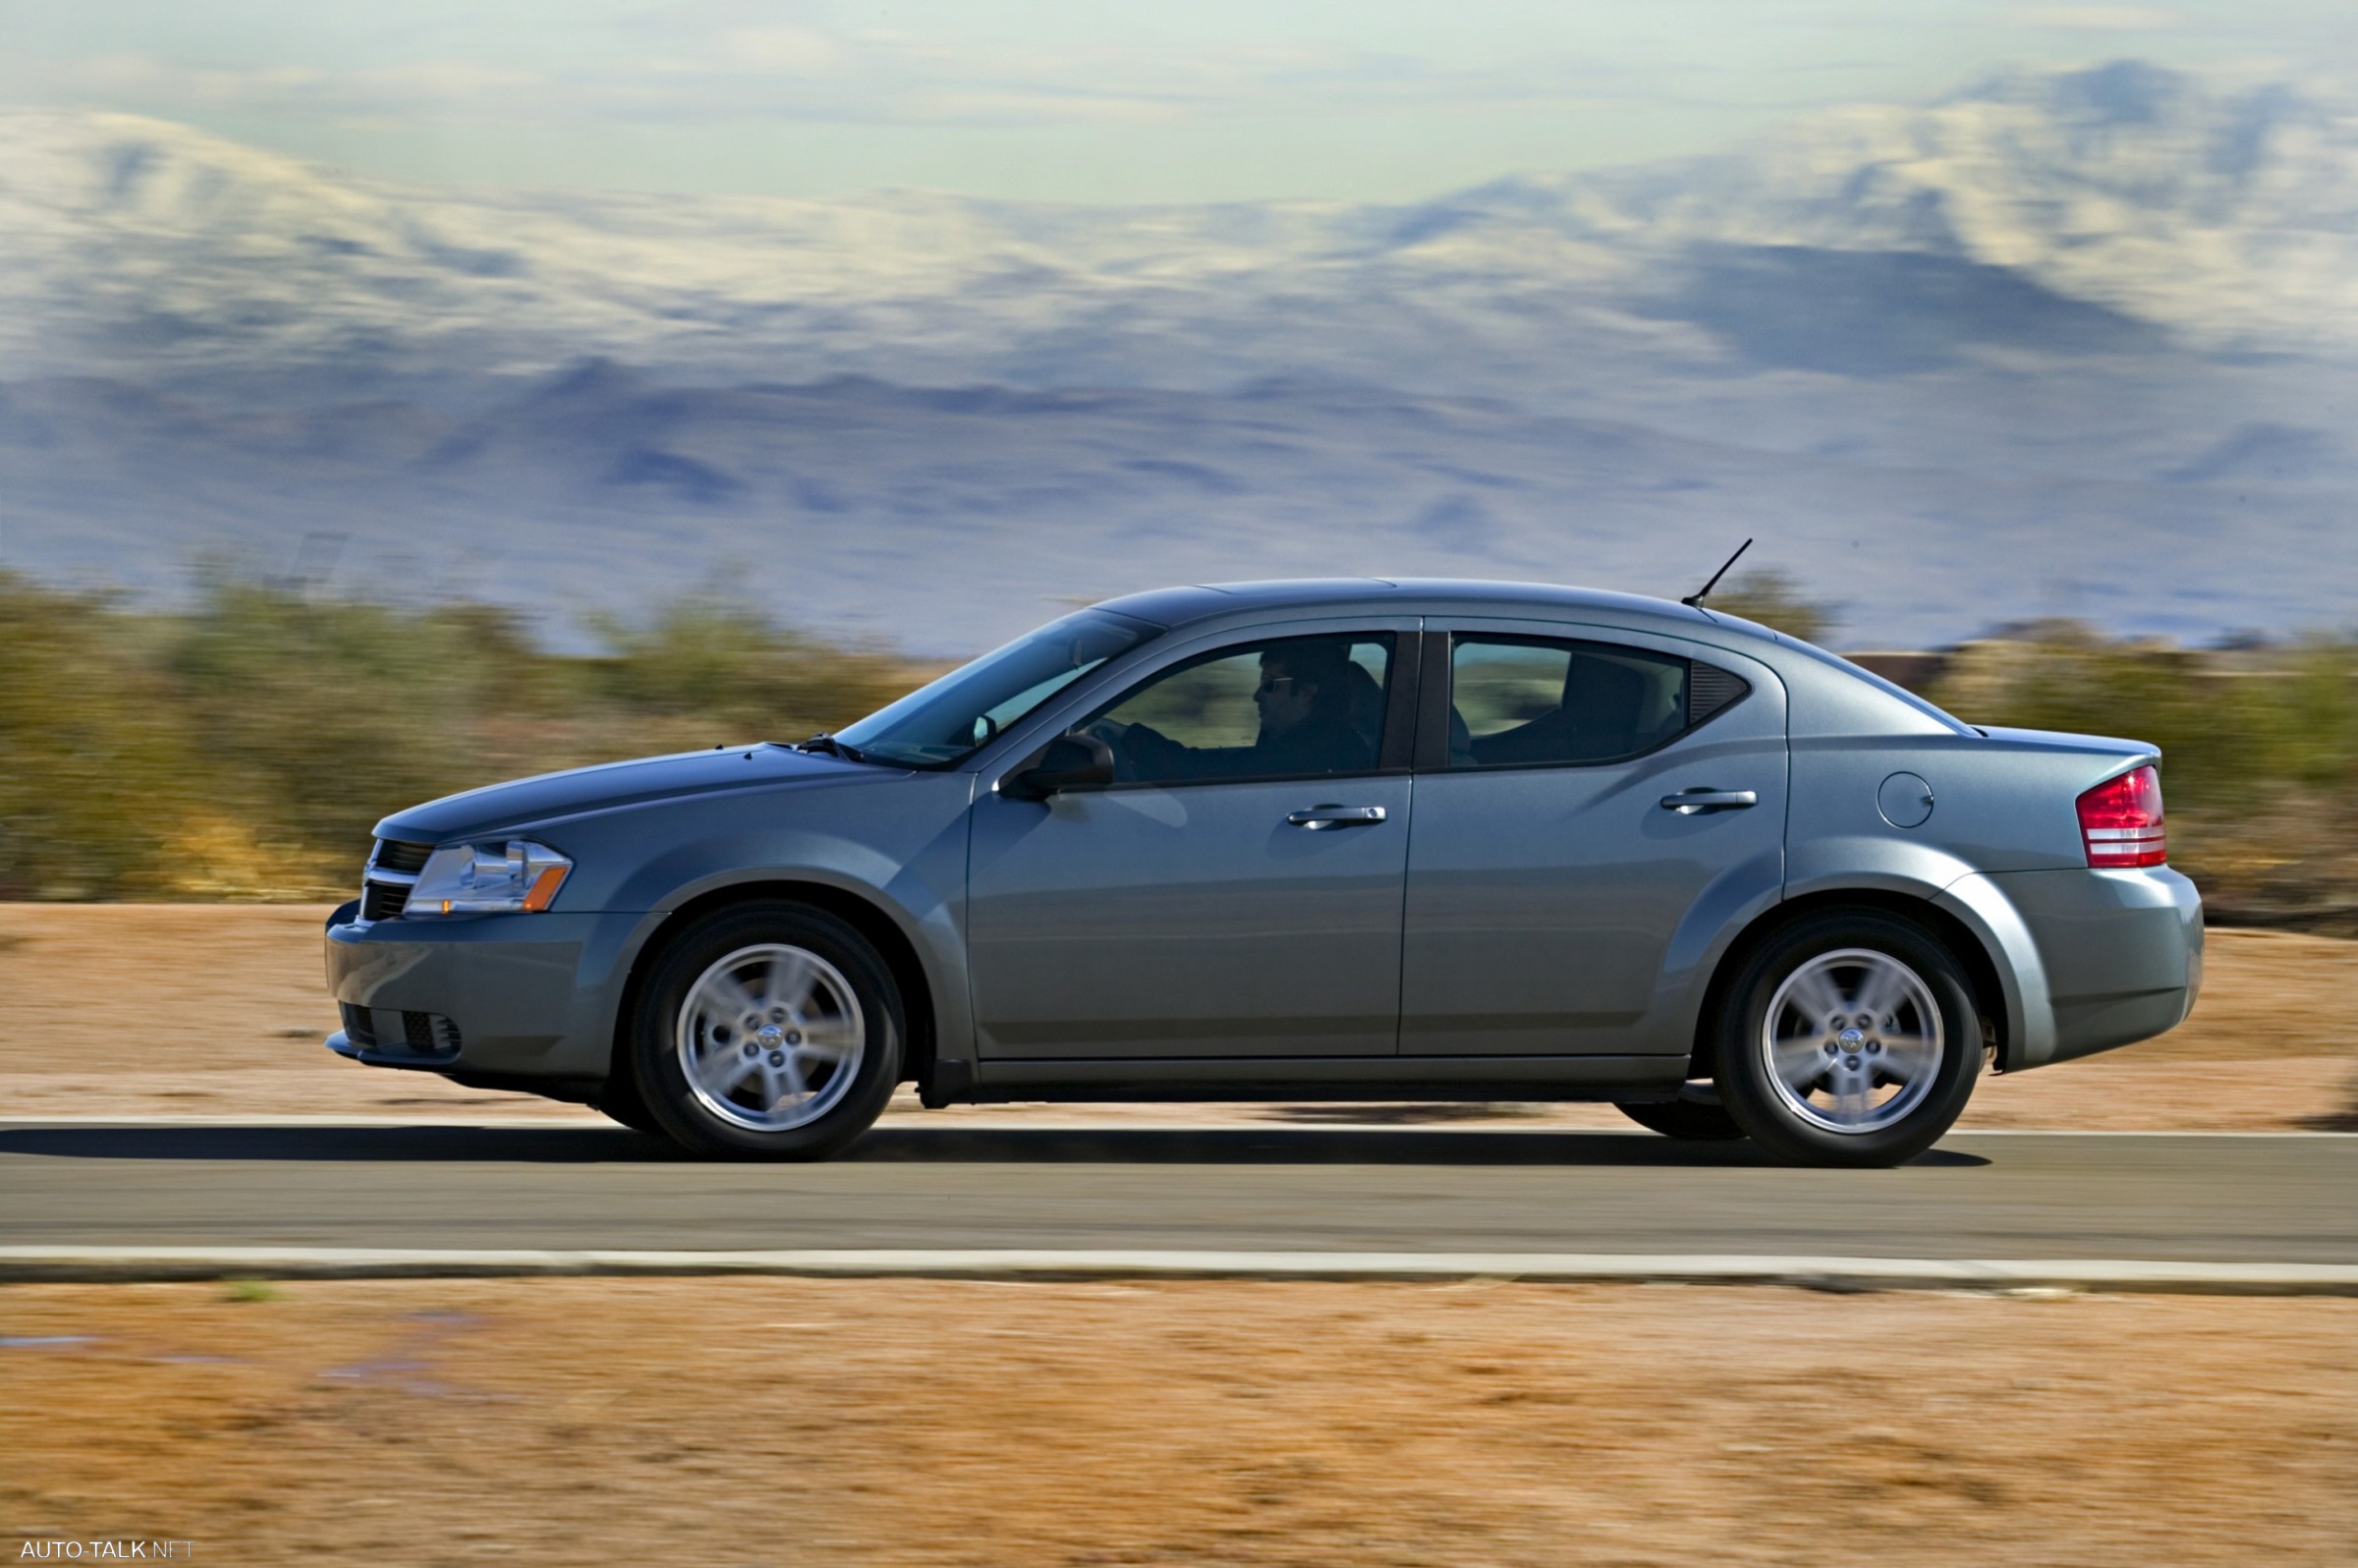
{"x":1518,"y":701}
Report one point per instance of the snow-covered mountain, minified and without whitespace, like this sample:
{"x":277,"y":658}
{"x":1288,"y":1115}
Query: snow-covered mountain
{"x":2059,"y":342}
{"x":2224,"y":217}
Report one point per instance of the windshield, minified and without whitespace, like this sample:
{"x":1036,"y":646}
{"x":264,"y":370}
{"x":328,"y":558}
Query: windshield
{"x":935,"y":725}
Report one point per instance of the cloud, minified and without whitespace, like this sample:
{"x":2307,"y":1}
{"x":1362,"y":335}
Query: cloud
{"x":780,"y":48}
{"x":419,"y":85}
{"x":446,"y":81}
{"x":2095,"y":18}
{"x":741,"y":64}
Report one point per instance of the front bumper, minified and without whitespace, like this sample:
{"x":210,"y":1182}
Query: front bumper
{"x":374,"y":1049}
{"x":527,"y":996}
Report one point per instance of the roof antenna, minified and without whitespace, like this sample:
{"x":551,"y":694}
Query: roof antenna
{"x":1696,"y":597}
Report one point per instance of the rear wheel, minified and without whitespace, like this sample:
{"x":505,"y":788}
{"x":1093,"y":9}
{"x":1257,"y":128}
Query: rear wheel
{"x":1849,"y":1038}
{"x":769,"y":1031}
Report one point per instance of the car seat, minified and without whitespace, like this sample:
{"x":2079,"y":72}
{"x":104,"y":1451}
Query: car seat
{"x":1598,"y":717}
{"x":1366,"y":703}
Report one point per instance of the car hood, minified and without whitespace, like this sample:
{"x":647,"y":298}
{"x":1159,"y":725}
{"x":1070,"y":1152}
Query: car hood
{"x":522,"y":802}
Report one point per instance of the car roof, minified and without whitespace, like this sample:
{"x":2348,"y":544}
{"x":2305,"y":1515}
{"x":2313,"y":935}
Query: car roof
{"x":1175,"y":607}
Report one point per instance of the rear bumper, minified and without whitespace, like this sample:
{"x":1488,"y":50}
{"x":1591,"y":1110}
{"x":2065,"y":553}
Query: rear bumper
{"x":2121,"y":953}
{"x":528,"y":995}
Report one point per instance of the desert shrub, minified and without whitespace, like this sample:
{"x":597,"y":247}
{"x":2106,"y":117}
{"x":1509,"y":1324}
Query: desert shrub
{"x":243,"y":747}
{"x":97,"y":776}
{"x":2259,"y":752}
{"x":714,"y":669}
{"x":1776,"y":602}
{"x":315,"y":718}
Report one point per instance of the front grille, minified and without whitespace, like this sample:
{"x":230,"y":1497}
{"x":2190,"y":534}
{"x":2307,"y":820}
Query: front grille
{"x":383,"y":901}
{"x":392,"y":872}
{"x":393,"y":855}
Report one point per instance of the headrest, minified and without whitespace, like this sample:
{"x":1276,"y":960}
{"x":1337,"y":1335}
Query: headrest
{"x":1603,"y":696}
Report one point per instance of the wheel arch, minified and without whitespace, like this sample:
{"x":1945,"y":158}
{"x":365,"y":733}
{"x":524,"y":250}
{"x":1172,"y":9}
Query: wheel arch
{"x":865,"y":915}
{"x":1994,"y":999}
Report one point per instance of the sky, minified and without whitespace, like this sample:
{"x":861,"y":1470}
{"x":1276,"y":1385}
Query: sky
{"x":1072,"y":100}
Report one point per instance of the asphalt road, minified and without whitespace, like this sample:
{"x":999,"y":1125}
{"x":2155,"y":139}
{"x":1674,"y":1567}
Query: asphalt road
{"x":2156,"y":1196}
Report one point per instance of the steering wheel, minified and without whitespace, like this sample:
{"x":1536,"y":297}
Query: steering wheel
{"x":1125,"y":766}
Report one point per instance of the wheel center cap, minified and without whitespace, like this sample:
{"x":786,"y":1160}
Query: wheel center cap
{"x":770,"y":1037}
{"x":1850,"y":1039}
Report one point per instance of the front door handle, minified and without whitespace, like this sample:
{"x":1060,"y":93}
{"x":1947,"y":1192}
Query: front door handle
{"x":1694,"y":802}
{"x":1322,"y":816}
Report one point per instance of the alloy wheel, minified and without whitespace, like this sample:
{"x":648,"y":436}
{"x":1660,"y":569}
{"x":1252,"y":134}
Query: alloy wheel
{"x":1853,"y":1040}
{"x":770,"y":1038}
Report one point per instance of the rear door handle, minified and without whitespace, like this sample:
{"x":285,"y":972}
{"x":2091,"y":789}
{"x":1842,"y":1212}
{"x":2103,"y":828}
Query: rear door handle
{"x":1694,"y":802}
{"x":1322,"y":817}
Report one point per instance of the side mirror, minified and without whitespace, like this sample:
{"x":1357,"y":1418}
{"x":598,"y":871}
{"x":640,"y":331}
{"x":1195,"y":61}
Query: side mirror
{"x":1067,"y":762}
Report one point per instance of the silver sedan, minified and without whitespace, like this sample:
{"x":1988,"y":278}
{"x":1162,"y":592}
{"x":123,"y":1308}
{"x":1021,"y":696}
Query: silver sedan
{"x":1339,"y":840}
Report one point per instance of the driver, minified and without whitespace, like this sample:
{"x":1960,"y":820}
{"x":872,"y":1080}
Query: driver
{"x":1304,"y":699}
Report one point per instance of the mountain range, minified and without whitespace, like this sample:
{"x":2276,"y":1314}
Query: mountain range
{"x":2056,"y":343}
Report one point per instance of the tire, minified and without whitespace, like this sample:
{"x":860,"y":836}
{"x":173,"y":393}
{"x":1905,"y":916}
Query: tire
{"x":793,"y":1025}
{"x":1870,"y":1052}
{"x":1691,"y":1121}
{"x":618,"y":1099}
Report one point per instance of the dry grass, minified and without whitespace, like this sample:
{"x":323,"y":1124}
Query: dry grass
{"x":942,"y":1422}
{"x":219,"y":1010}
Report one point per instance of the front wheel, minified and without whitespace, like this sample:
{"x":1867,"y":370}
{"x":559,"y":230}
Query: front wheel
{"x":1850,"y":1039}
{"x":769,"y":1031}
{"x":618,"y":1101}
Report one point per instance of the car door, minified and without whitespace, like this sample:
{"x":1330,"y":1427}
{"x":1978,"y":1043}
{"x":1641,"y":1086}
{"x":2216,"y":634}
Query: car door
{"x":1236,"y":892}
{"x":1591,"y":806}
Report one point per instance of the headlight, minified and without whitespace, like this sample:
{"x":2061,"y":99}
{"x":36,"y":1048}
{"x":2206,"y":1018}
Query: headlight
{"x":515,"y":877}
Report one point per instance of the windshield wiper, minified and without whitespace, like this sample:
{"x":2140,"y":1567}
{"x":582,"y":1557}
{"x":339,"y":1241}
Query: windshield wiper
{"x":823,"y":742}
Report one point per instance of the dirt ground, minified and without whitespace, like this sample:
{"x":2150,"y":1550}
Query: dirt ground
{"x":973,"y":1424}
{"x":931,"y":1421}
{"x":218,"y":1010}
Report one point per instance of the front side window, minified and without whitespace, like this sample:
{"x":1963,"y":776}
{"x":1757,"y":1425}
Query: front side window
{"x":935,"y":725}
{"x":1285,"y":707}
{"x":1519,"y":701}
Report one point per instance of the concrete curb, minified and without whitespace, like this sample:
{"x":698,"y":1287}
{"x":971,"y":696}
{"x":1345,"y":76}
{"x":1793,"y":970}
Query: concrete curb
{"x":18,"y":1265}
{"x":979,"y":1119}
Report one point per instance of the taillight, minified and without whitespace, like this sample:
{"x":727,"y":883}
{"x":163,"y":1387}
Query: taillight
{"x":2121,"y":820}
